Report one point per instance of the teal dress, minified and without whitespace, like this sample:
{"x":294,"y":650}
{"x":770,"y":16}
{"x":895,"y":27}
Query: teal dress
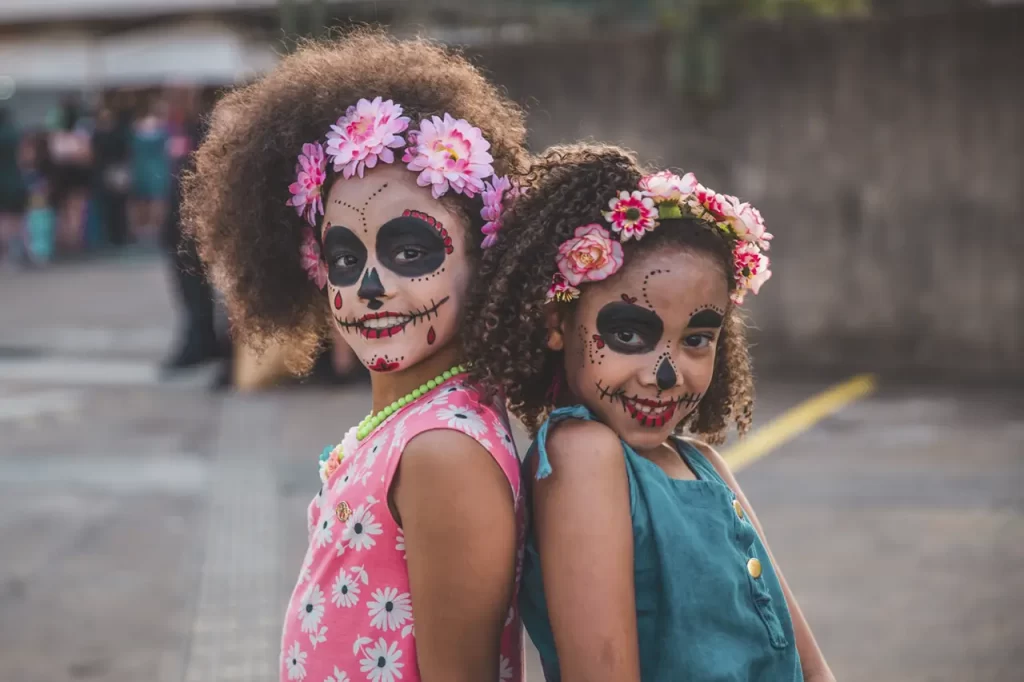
{"x":709,"y":605}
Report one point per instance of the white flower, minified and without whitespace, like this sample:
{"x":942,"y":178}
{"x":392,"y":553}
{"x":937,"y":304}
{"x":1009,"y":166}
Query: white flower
{"x":463,"y":420}
{"x":369,"y":458}
{"x":311,"y":610}
{"x":324,"y":533}
{"x":666,"y":186}
{"x":345,"y":592}
{"x":360,"y":529}
{"x":388,"y":609}
{"x":400,"y":542}
{"x":505,"y":669}
{"x":350,"y":474}
{"x":381,"y":662}
{"x":338,"y":676}
{"x":295,"y":661}
{"x":318,"y":636}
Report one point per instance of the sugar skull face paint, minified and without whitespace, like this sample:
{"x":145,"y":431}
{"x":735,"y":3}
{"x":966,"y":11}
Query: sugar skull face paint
{"x":642,"y":352}
{"x":397,"y":268}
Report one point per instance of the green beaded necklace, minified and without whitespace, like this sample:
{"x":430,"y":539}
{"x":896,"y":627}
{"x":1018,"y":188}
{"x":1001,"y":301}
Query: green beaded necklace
{"x":371,"y":421}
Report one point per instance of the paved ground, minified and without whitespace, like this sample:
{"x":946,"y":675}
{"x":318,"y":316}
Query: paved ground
{"x":152,"y":530}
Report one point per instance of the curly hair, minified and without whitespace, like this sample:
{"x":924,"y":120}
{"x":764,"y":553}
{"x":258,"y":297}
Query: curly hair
{"x":507,"y":327}
{"x":235,"y":200}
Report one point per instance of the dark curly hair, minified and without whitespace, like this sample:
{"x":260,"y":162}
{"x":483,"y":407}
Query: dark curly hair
{"x":506,"y":336}
{"x":235,"y":200}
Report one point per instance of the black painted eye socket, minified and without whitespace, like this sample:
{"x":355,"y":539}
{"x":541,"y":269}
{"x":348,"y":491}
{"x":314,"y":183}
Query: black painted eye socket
{"x":410,"y":247}
{"x":345,"y":254}
{"x":629,"y":329}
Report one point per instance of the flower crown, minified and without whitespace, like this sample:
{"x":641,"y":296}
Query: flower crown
{"x":449,"y":155}
{"x":592,"y":254}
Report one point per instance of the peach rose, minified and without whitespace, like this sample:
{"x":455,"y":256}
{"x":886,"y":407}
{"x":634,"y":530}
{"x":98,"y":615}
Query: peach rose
{"x":590,"y":256}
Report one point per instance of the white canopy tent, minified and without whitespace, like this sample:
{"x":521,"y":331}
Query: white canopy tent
{"x":197,"y":52}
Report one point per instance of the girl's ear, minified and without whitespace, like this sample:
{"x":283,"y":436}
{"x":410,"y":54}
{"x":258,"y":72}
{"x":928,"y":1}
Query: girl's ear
{"x":553,"y":316}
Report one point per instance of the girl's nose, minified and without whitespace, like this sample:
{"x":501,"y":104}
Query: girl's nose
{"x":665,"y":375}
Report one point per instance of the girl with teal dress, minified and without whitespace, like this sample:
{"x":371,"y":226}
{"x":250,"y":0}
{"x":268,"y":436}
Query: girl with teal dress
{"x":612,"y":324}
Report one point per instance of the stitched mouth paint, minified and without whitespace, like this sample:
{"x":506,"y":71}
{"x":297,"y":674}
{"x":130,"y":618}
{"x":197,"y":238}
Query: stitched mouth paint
{"x":385,"y":324}
{"x":649,"y":412}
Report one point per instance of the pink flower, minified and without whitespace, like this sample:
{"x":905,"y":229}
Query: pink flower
{"x":590,"y":256}
{"x":747,"y":223}
{"x":365,"y":134}
{"x":561,"y":290}
{"x":668,"y":187}
{"x":632,"y":215}
{"x":751,"y":269}
{"x":449,"y":153}
{"x":710,"y":202}
{"x":307,"y":190}
{"x":309,"y":253}
{"x":493,"y":196}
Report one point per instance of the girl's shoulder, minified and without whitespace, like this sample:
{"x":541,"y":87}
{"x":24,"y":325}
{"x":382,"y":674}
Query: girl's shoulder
{"x":571,"y":441}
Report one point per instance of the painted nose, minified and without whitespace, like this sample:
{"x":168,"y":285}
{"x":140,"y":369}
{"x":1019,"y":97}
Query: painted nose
{"x":665,"y":375}
{"x":371,"y":290}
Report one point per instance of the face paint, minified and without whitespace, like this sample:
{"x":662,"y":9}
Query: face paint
{"x":628,"y":328}
{"x":410,"y":247}
{"x":345,"y":254}
{"x":397,"y":285}
{"x":655,"y":367}
{"x":665,"y":374}
{"x":706,"y":318}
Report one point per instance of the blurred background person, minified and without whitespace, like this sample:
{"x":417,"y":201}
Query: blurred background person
{"x":112,"y":174}
{"x":198,"y":342}
{"x":12,"y":188}
{"x":39,"y":232}
{"x":71,"y":156}
{"x":151,"y":169}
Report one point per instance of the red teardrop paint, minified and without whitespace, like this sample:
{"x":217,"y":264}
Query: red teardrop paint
{"x":431,"y":337}
{"x":337,"y":300}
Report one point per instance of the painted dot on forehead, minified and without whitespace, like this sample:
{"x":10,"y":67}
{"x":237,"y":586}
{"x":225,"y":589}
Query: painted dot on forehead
{"x":646,"y":285}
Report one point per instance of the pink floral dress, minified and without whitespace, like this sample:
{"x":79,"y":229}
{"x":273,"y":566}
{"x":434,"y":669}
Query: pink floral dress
{"x":350,"y":617}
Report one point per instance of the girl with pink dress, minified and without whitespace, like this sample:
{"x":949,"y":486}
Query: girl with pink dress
{"x":354,"y":187}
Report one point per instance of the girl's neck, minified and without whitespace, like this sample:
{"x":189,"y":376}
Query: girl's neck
{"x":390,"y":386}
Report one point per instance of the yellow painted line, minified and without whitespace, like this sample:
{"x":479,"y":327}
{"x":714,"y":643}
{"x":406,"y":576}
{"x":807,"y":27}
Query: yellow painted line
{"x":797,"y":420}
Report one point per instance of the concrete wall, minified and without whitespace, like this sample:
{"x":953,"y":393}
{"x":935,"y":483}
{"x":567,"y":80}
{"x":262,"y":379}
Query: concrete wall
{"x":887,"y":157}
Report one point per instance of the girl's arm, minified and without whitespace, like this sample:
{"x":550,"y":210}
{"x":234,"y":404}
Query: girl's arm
{"x":585,"y":538}
{"x":456,"y":508}
{"x":812,"y":661}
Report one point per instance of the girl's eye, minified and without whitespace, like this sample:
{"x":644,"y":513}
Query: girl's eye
{"x":408,"y":255}
{"x":346,"y":261}
{"x":698,"y":341}
{"x":629,"y":338}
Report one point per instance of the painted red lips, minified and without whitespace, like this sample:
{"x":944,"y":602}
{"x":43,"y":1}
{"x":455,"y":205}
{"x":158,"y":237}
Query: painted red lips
{"x":382,"y":332}
{"x":383,"y":365}
{"x":660,"y":412}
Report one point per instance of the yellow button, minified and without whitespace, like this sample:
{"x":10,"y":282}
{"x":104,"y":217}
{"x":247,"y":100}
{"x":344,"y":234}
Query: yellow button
{"x":738,"y":507}
{"x":754,"y":568}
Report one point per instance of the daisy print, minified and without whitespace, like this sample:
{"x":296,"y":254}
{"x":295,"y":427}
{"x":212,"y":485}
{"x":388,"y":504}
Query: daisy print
{"x":381,"y":663}
{"x":464,"y":420}
{"x":341,"y":481}
{"x":295,"y":662}
{"x":400,"y":542}
{"x":505,"y":669}
{"x":311,"y":608}
{"x":345,"y":592}
{"x":338,"y":676}
{"x":388,"y":609}
{"x":318,"y":636}
{"x":360,"y":529}
{"x":324,"y":533}
{"x":370,"y":454}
